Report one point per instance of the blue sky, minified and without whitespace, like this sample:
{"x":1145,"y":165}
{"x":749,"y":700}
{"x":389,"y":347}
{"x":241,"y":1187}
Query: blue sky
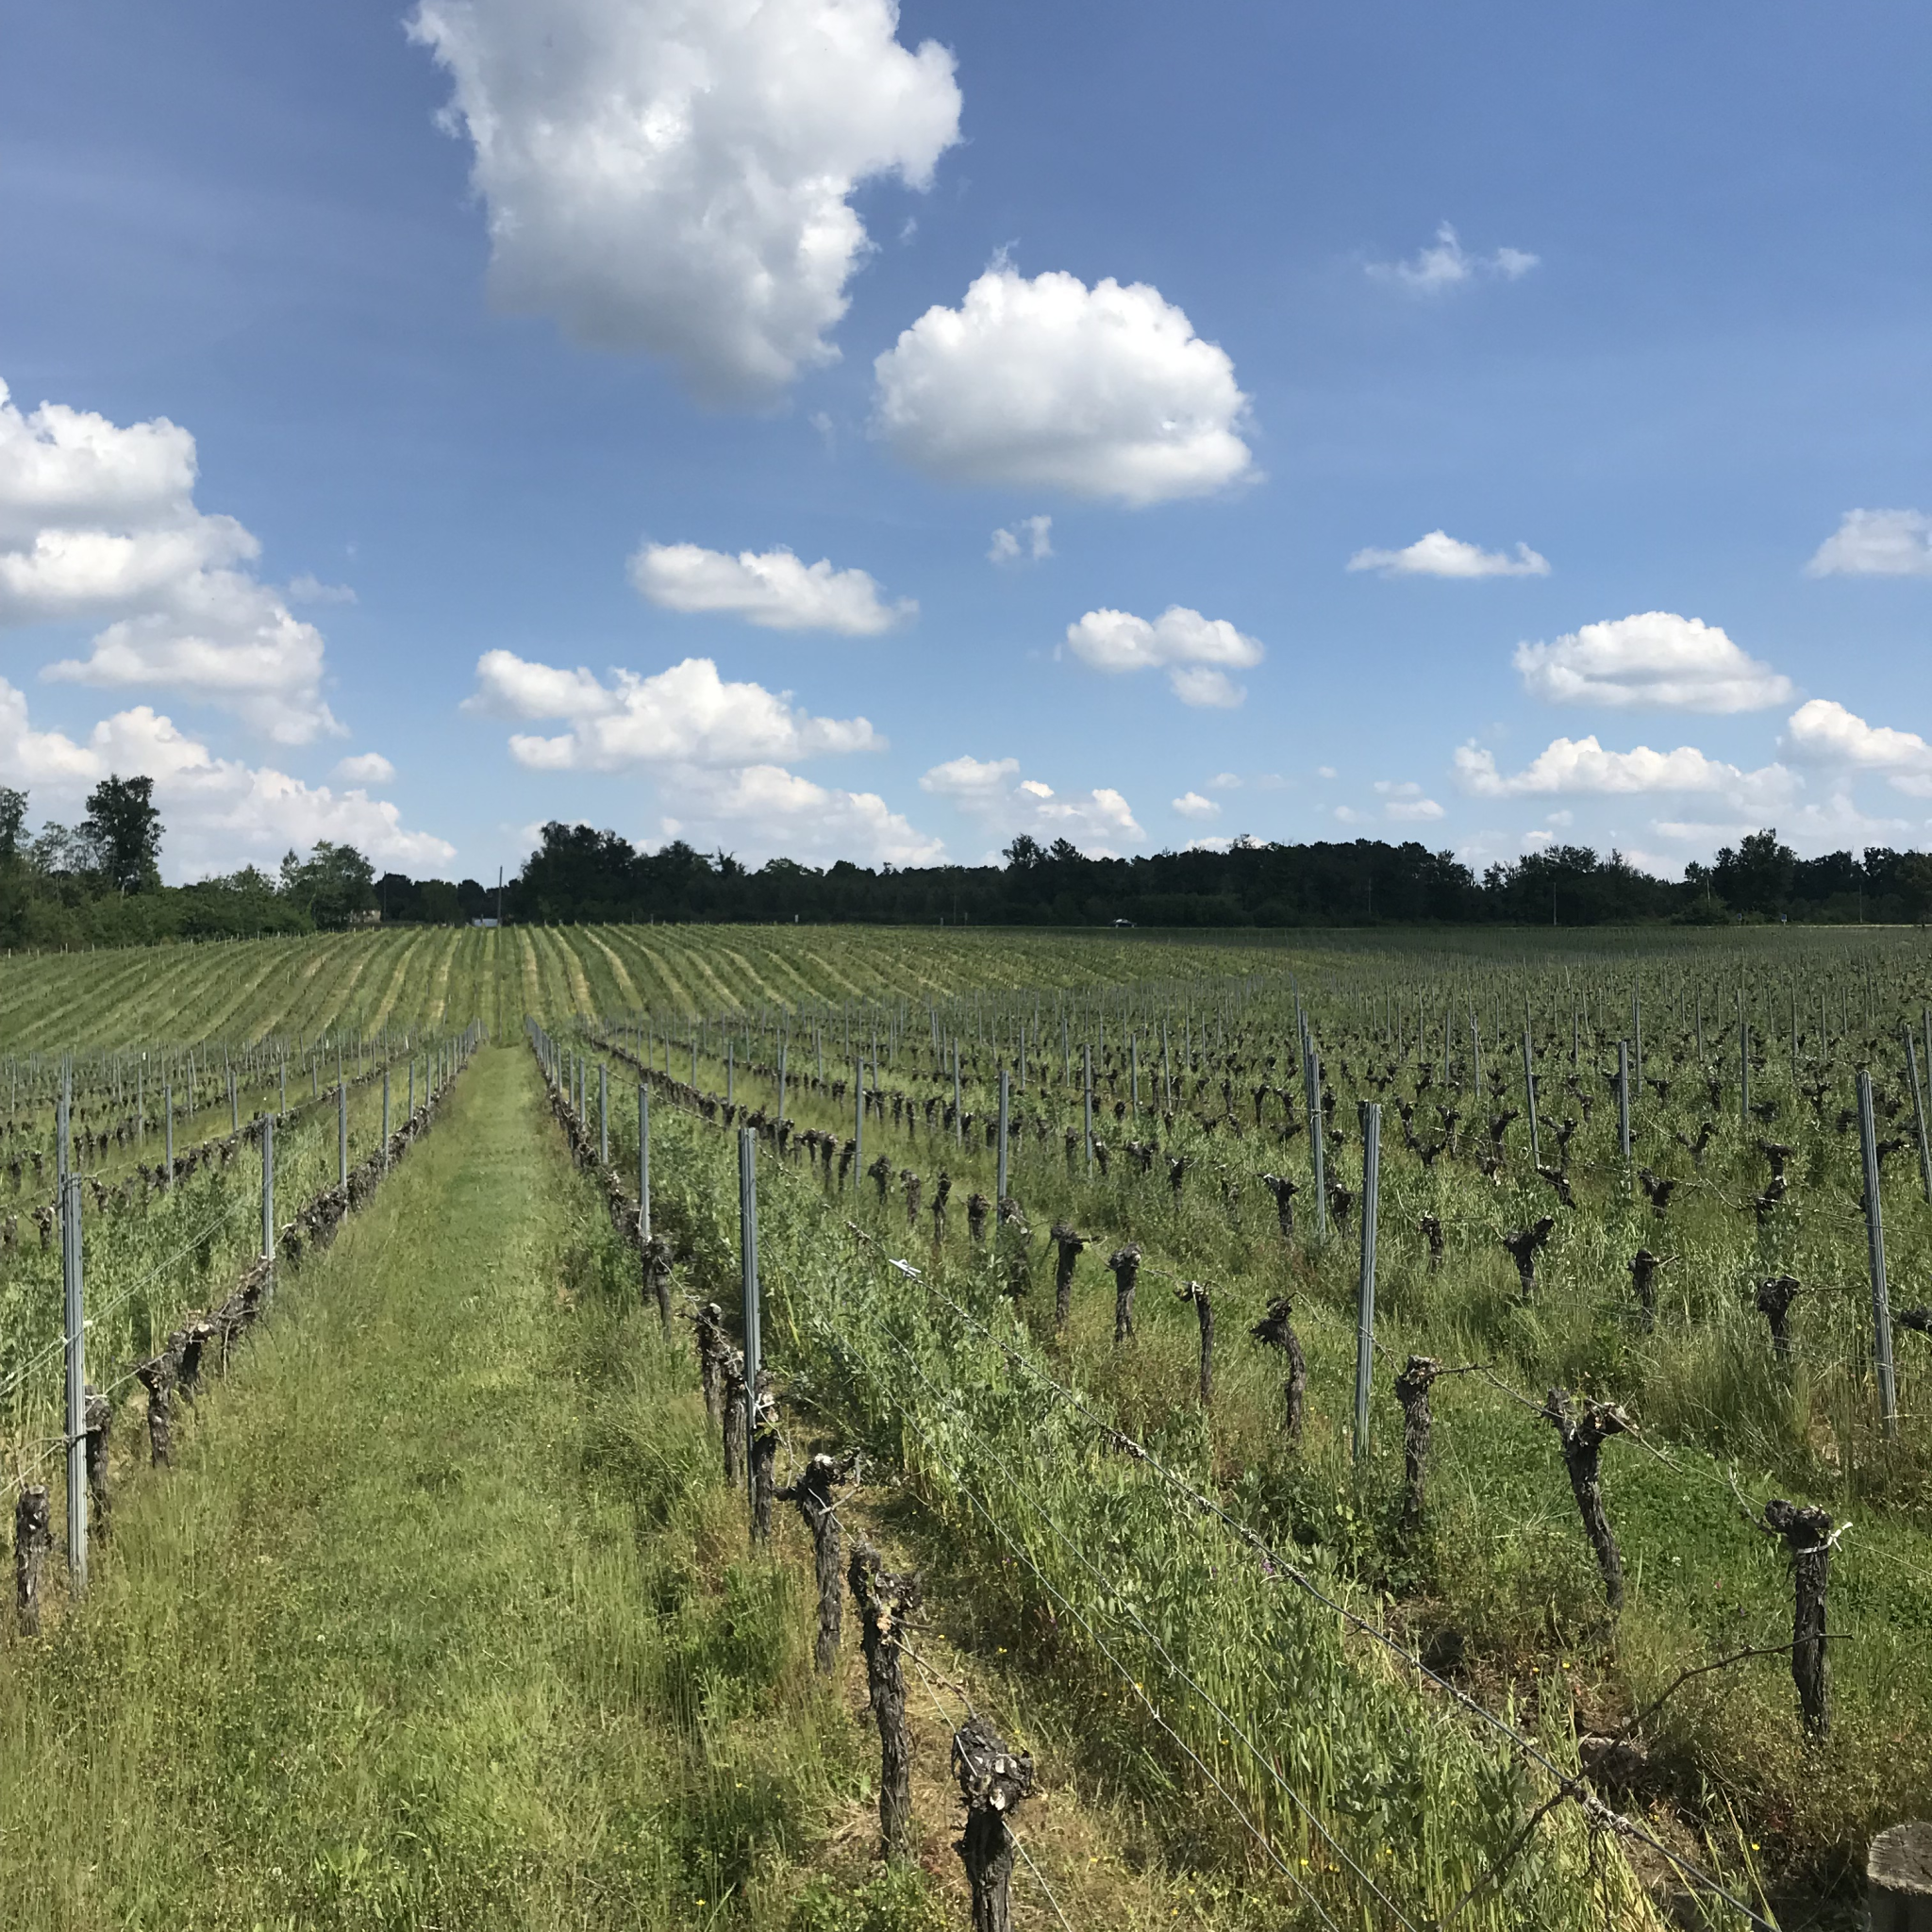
{"x":397,"y":488}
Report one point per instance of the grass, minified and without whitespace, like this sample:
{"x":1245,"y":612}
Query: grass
{"x":445,"y":1619}
{"x":442,"y":1618}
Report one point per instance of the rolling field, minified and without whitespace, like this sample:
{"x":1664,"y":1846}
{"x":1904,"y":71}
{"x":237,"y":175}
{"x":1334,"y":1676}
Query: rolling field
{"x":1296,"y":1598}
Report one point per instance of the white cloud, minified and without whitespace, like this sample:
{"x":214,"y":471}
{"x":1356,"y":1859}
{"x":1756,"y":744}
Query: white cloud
{"x":1027,"y":540}
{"x":1445,"y":264}
{"x":365,"y":768}
{"x":1819,"y":732}
{"x":1048,"y":384}
{"x":1653,"y":658}
{"x":1196,"y":652}
{"x":1205,"y":687}
{"x":1224,"y":781}
{"x":764,"y":810}
{"x":65,"y":469}
{"x":676,"y":178}
{"x":1403,"y":803}
{"x":1440,"y":555}
{"x":1877,"y":543}
{"x":684,"y":716}
{"x":1099,"y":821}
{"x":1580,"y":766}
{"x":219,"y":813}
{"x":308,"y":589}
{"x":1833,"y":824}
{"x":771,"y":588}
{"x":1190,"y":804}
{"x":98,"y":520}
{"x":1325,"y":770}
{"x":1215,"y":844}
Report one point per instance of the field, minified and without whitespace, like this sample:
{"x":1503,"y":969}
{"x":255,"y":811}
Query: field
{"x":1279,"y":1659}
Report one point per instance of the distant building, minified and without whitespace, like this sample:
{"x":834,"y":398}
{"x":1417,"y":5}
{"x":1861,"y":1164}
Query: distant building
{"x":487,"y":925}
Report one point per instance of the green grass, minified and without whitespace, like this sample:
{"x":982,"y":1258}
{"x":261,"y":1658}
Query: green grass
{"x":442,"y":1618}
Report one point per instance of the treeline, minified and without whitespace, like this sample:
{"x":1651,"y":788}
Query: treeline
{"x":98,"y":883}
{"x":578,"y":874}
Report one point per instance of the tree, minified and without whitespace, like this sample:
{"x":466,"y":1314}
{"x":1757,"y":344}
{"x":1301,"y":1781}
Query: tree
{"x":124,"y":830}
{"x":1757,"y":874}
{"x":12,"y":818}
{"x":1024,"y":851}
{"x":333,"y":885}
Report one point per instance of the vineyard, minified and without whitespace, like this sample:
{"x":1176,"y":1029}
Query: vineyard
{"x":1349,"y":1433}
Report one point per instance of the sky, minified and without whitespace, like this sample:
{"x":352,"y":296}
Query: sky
{"x":811,"y":428}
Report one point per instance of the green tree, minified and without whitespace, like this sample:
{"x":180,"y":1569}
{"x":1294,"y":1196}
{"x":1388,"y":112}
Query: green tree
{"x":335,"y":885}
{"x":124,"y":830}
{"x":1757,"y":874}
{"x":12,"y":820}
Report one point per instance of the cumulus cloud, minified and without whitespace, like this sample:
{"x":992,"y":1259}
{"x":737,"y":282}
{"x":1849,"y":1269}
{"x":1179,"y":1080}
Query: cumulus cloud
{"x":1225,"y":781}
{"x":219,"y":813}
{"x":764,"y":810}
{"x":1822,"y":733}
{"x":1444,"y":264}
{"x":98,"y":521}
{"x":365,"y":768}
{"x":1103,"y":393}
{"x":1402,"y":803}
{"x":1196,"y":652}
{"x":1653,"y":659}
{"x":1440,"y":555}
{"x":1577,"y":766}
{"x":771,"y":588}
{"x":676,"y":179}
{"x":1190,"y":804}
{"x":686,"y":716}
{"x":1027,"y":542}
{"x":1877,"y":543}
{"x":991,"y":791}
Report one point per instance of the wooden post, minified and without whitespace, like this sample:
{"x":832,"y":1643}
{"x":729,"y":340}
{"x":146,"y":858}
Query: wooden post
{"x":1898,"y":1879}
{"x":857,"y":1122}
{"x":749,"y":1250}
{"x":1624,"y":1105}
{"x":1365,"y":1290}
{"x":168,"y":1108}
{"x":341,"y":1133}
{"x":1875,"y":1250}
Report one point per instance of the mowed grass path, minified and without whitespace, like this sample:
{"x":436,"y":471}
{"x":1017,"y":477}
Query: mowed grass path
{"x":440,"y":1619}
